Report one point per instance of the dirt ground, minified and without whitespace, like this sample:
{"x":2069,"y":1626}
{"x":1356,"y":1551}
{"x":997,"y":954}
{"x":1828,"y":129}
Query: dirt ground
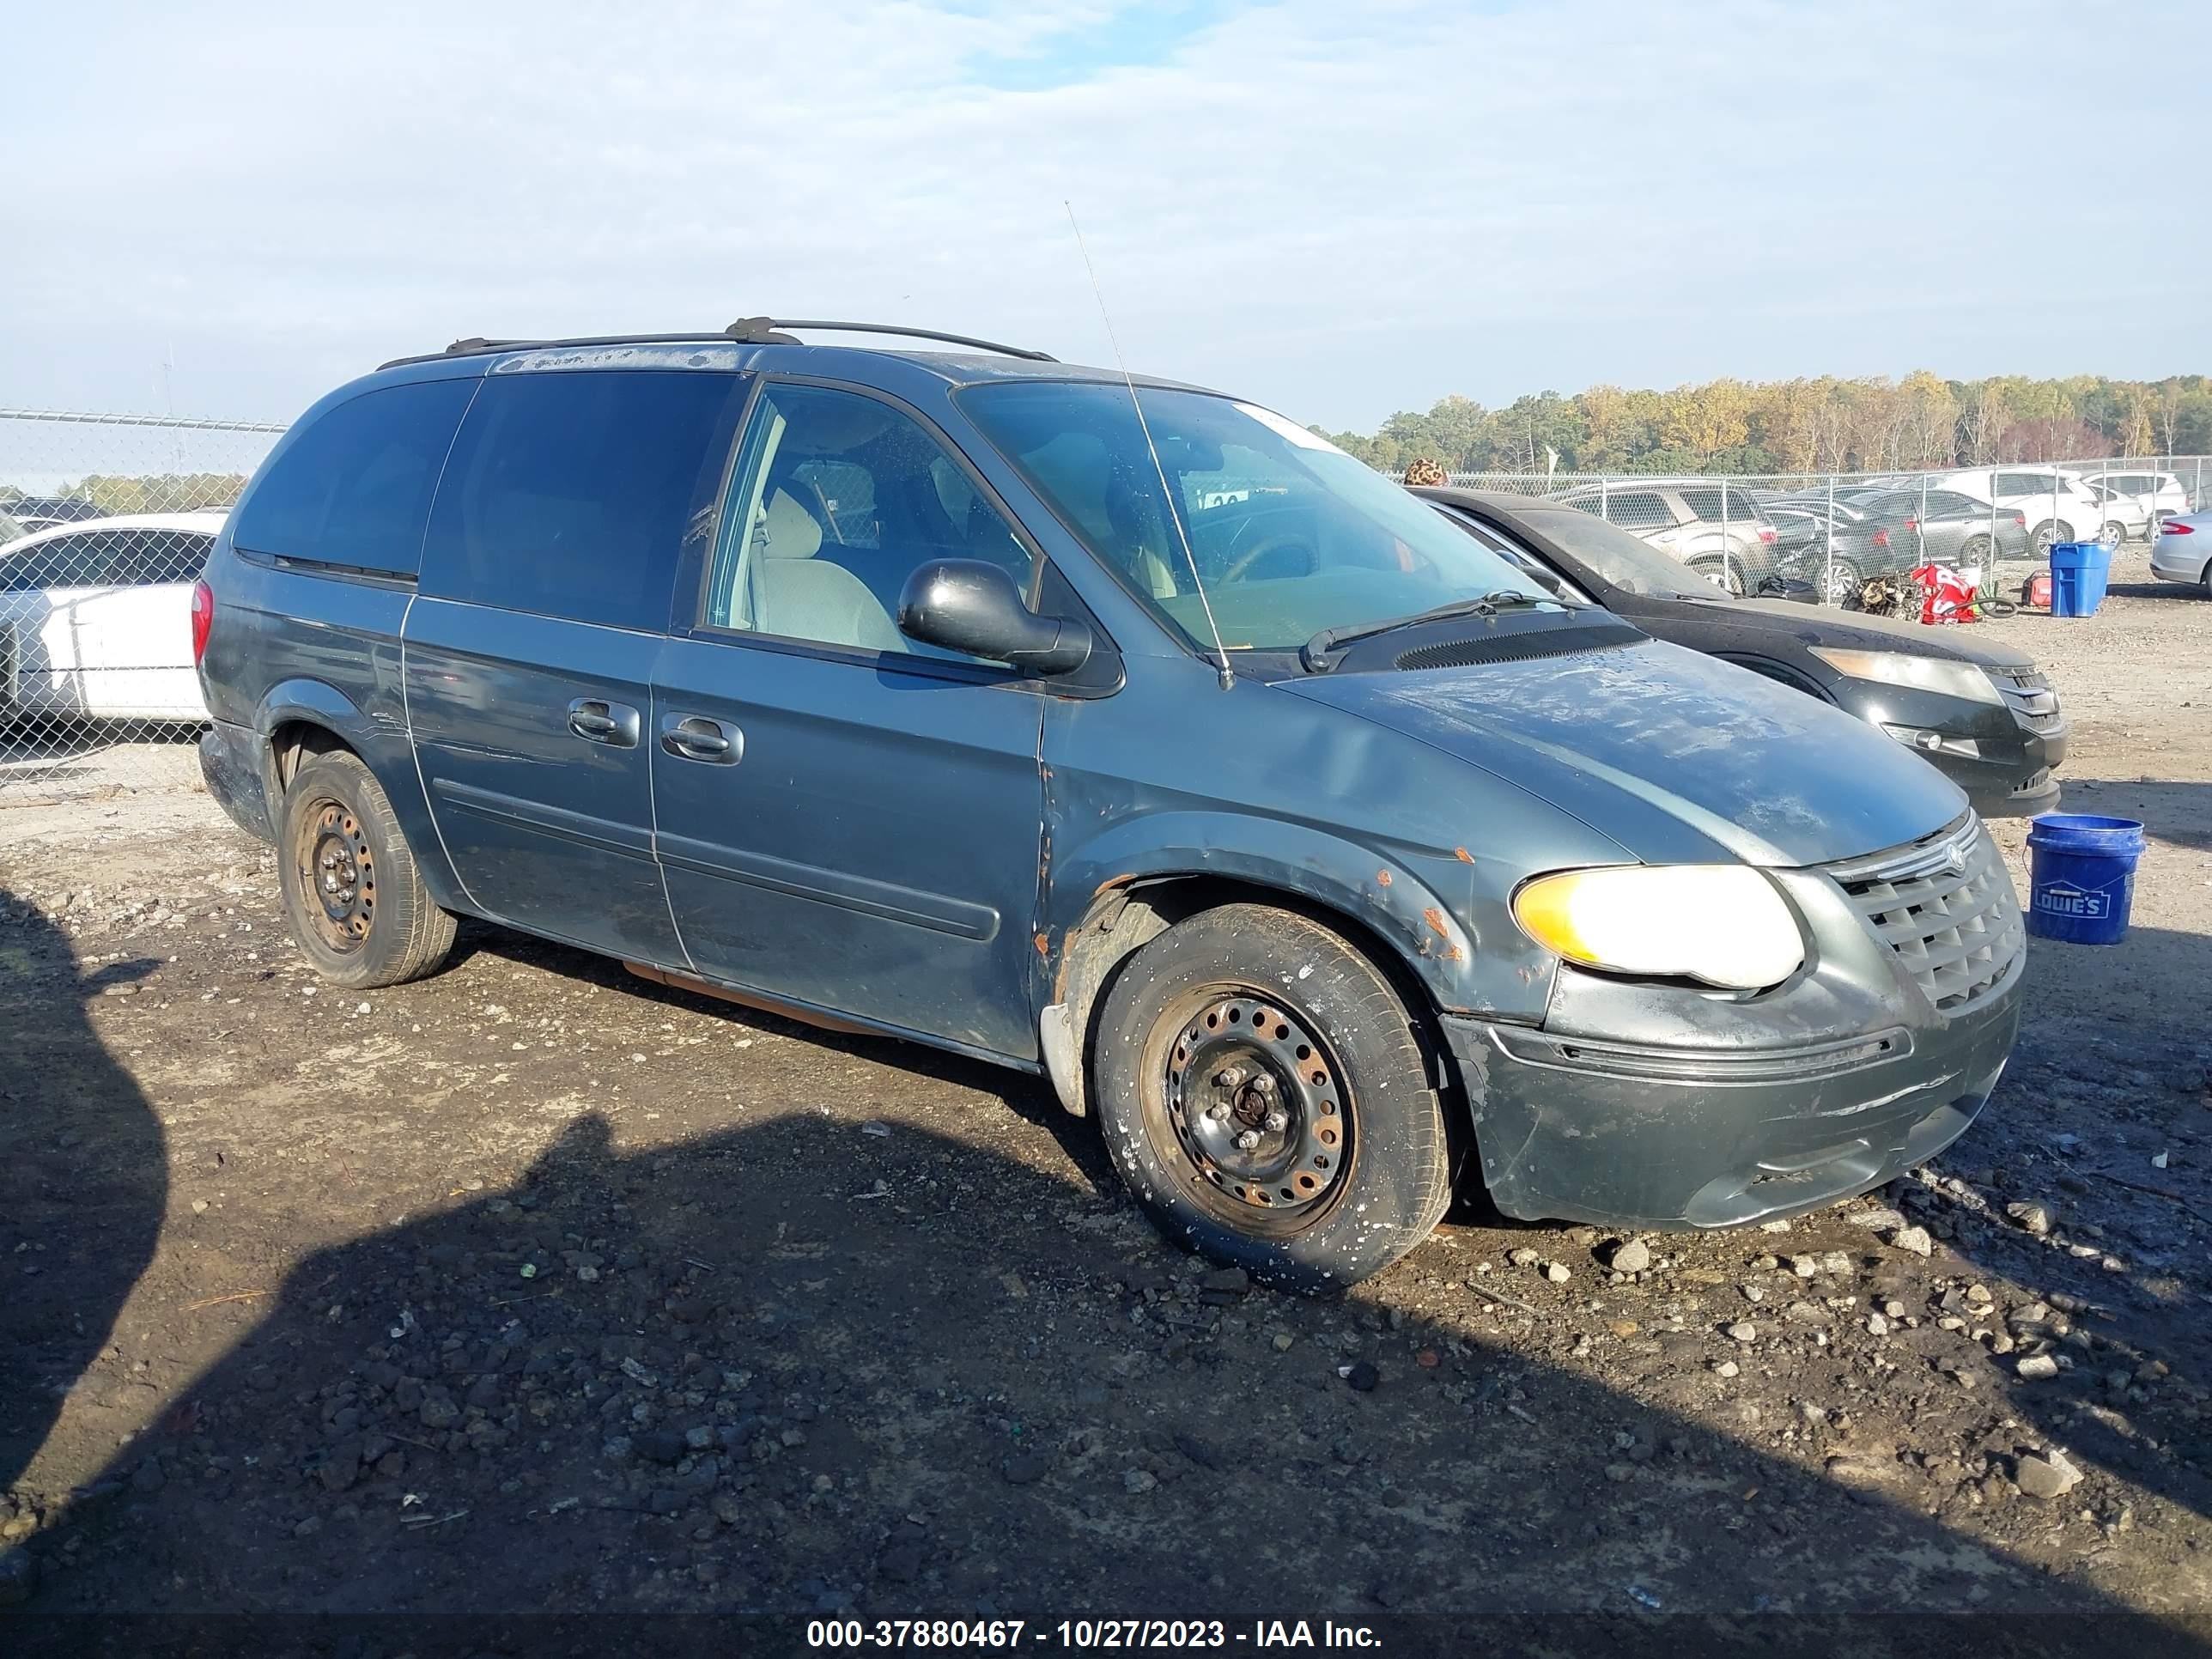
{"x":534,"y":1289}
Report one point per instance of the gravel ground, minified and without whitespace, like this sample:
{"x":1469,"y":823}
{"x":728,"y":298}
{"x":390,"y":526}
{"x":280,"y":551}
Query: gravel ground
{"x":536,"y":1288}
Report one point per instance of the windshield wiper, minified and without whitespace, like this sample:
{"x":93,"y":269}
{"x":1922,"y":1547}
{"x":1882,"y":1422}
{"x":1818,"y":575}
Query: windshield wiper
{"x":1320,"y":653}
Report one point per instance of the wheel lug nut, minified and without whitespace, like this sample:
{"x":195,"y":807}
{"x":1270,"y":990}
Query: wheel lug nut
{"x":1248,"y":1140}
{"x":1264,"y":1083}
{"x":1218,"y":1111}
{"x":1278,"y":1120}
{"x":1229,"y":1076}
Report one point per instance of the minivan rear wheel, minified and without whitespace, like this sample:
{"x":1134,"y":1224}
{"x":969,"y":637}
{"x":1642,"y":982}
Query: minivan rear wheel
{"x":355,"y":902}
{"x":1264,"y":1093}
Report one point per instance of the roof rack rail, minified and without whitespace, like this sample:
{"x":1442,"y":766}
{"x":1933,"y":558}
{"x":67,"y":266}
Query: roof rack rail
{"x":768,"y":330}
{"x":746,"y":330}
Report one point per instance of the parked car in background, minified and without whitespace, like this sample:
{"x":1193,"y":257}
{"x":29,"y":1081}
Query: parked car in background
{"x":1718,"y":529}
{"x":2183,"y":550}
{"x":2126,"y":517}
{"x":1835,"y":546}
{"x":2054,"y":503}
{"x":1944,"y":526}
{"x":37,"y":512}
{"x":2161,"y":494}
{"x":875,"y":686}
{"x":1978,"y":710}
{"x":96,"y":618}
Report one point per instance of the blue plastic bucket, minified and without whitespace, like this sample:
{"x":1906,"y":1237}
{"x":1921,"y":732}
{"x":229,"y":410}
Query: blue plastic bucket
{"x":2083,"y":877}
{"x":2079,"y":571}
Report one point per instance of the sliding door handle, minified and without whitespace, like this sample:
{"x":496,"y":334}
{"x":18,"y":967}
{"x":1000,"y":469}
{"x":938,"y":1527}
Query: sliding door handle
{"x":597,"y":720}
{"x":694,"y":736}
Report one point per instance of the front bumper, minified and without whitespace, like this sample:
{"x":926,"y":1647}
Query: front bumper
{"x":1657,"y":1105}
{"x":2011,"y":773}
{"x":1634,"y":1136}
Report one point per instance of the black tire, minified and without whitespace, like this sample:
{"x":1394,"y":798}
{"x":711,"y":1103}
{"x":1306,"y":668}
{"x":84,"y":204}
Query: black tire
{"x":357,"y":903}
{"x":1727,"y":574}
{"x":1838,"y":581}
{"x":1976,"y":551}
{"x":2113,"y":533}
{"x":2045,"y":534}
{"x":1356,"y":1175}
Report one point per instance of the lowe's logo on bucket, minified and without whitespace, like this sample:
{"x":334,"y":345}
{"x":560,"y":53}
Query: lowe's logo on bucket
{"x":2064,"y":899}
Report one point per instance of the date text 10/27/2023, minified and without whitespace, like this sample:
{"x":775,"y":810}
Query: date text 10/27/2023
{"x":1086,"y":1633}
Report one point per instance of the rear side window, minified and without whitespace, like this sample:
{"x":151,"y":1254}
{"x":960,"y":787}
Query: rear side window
{"x":132,"y":557}
{"x":569,"y":491}
{"x":1707,"y":502}
{"x":354,"y":488}
{"x":1635,"y":509}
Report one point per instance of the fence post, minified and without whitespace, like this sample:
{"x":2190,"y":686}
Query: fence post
{"x":1604,"y":497}
{"x":1828,"y":582}
{"x":1920,"y":530}
{"x":1725,"y":573}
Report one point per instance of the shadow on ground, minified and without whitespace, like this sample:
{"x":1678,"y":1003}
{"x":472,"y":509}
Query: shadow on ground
{"x":801,"y":1370}
{"x":79,"y":1243}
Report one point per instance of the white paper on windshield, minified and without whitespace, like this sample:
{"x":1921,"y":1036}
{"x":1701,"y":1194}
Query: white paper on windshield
{"x":1288,"y":429}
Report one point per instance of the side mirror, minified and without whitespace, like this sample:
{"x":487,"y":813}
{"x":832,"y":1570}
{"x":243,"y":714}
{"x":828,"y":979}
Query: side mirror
{"x":966,"y":604}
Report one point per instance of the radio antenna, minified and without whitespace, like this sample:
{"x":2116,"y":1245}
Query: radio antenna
{"x":1167,"y":491}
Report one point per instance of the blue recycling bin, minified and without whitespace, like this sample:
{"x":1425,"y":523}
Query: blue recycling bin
{"x":2082,"y":876}
{"x":2079,"y":571}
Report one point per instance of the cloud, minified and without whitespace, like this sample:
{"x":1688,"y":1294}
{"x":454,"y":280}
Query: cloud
{"x":1341,"y":211}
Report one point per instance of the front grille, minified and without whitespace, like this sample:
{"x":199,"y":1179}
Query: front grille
{"x":1946,"y":906}
{"x":2029,"y":696}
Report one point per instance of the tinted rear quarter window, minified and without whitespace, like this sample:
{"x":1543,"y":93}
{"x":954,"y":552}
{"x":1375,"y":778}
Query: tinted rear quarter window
{"x":354,"y":488}
{"x":1636,"y":509}
{"x":569,"y":491}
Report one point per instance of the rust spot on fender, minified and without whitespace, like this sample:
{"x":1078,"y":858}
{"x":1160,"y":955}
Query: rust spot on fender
{"x":1099,"y":891}
{"x":1462,"y":855}
{"x":1441,"y":929}
{"x":1043,"y":944}
{"x":1381,"y":878}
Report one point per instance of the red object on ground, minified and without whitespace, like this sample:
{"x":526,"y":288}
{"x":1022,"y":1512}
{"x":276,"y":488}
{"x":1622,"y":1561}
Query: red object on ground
{"x":1946,"y":596}
{"x":2037,"y":595}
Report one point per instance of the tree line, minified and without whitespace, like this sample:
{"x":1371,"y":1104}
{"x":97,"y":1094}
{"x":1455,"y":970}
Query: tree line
{"x":1824,"y":425}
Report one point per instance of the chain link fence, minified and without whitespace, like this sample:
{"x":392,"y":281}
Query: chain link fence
{"x":105,"y":524}
{"x":1825,"y":536}
{"x":106,"y":520}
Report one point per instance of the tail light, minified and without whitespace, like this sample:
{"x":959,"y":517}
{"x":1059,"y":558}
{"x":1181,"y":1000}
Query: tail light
{"x":203,"y":618}
{"x":1910,"y":523}
{"x":2175,"y":528}
{"x":1881,"y":536}
{"x":2020,"y":522}
{"x":1766,"y":534}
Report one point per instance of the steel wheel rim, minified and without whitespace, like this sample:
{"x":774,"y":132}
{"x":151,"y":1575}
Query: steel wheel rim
{"x":336,"y":870}
{"x":1252,"y":1107}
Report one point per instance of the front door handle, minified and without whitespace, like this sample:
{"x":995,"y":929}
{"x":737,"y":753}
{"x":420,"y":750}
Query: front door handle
{"x":694,"y":736}
{"x":597,"y":720}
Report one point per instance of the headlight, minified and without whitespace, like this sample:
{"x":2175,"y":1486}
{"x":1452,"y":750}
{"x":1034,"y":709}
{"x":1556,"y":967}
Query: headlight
{"x":1955,"y":679}
{"x":1721,"y":923}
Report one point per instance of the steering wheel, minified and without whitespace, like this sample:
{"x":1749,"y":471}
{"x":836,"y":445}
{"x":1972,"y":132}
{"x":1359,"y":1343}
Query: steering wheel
{"x":1276,"y":543}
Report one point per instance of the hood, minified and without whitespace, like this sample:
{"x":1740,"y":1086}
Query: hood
{"x":1678,"y":758}
{"x":1962,"y":642}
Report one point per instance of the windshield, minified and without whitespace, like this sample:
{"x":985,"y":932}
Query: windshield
{"x":1628,"y":562}
{"x":1290,"y":534}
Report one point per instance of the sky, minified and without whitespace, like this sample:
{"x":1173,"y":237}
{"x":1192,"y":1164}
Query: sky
{"x":1338,"y":209}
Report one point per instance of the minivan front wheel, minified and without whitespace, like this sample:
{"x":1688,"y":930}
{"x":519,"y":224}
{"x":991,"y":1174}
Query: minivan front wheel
{"x":357,"y":906}
{"x":1262,"y":1091}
